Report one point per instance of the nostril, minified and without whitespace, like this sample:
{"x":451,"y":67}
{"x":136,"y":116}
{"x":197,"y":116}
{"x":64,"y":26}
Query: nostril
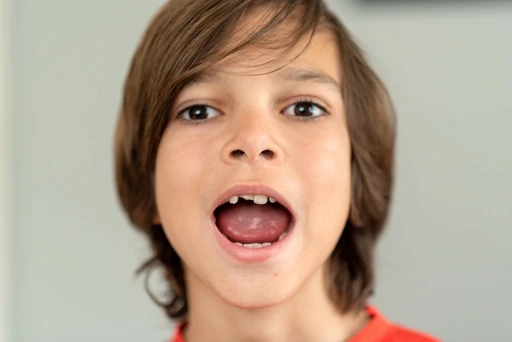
{"x":268,"y":154}
{"x":237,"y":153}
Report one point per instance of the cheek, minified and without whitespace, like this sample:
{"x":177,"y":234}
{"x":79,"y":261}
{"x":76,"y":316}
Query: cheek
{"x":174,"y":165}
{"x":183,"y":159}
{"x":325,"y":162}
{"x":326,"y":173}
{"x":179,"y":173}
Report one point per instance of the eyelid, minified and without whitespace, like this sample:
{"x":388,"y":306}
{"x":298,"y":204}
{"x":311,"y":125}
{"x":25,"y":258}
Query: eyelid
{"x":190,"y":104}
{"x":180,"y":116}
{"x":195,"y":104}
{"x":294,"y":101}
{"x":181,"y":105}
{"x":320,"y":104}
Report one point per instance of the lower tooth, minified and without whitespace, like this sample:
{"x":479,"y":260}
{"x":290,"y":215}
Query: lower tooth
{"x":282,"y":236}
{"x":254,"y":245}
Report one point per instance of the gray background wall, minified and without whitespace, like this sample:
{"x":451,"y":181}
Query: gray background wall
{"x":5,"y":138}
{"x":444,"y":265}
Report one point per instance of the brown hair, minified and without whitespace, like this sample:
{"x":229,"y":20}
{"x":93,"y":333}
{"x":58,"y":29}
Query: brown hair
{"x":185,"y":38}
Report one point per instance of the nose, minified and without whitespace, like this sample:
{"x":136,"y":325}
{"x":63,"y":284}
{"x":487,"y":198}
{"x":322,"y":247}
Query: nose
{"x":252,"y":139}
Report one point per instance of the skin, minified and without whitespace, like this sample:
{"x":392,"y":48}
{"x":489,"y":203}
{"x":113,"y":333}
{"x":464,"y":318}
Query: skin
{"x":307,"y":160}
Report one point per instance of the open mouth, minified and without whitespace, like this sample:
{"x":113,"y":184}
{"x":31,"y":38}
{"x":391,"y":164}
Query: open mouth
{"x":253,"y":220}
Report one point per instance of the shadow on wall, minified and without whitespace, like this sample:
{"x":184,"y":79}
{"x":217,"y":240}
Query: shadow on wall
{"x":414,"y":3}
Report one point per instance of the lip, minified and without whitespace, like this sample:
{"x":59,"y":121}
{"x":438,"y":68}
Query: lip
{"x":252,"y":255}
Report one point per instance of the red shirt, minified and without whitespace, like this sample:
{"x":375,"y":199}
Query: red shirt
{"x":379,"y":329}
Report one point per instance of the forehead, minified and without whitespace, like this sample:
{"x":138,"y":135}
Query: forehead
{"x":278,"y":48}
{"x":318,"y":64}
{"x":257,"y":59}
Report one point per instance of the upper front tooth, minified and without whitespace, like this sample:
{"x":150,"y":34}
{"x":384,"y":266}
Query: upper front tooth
{"x":260,"y":199}
{"x":233,"y":200}
{"x":271,"y":200}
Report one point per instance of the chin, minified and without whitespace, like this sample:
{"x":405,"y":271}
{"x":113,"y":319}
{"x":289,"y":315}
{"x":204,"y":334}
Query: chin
{"x":256,"y":289}
{"x":254,"y":299}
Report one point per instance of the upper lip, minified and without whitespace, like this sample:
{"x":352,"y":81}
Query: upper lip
{"x":252,"y":189}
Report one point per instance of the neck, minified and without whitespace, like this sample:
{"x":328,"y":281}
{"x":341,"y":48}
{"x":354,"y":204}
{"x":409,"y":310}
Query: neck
{"x":309,"y":315}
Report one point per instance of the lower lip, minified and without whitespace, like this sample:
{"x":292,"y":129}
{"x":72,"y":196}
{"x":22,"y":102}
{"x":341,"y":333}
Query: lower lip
{"x":252,"y":255}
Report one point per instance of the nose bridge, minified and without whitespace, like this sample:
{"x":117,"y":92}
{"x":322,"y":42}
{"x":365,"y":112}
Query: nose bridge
{"x":252,"y":137}
{"x":254,"y":124}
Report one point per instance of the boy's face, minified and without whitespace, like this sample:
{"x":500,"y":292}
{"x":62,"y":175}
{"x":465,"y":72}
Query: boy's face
{"x":246,"y":135}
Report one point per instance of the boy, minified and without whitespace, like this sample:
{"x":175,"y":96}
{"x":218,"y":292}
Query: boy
{"x":255,"y":149}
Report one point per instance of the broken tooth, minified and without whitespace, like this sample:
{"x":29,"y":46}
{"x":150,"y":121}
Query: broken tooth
{"x":260,"y":199}
{"x":248,"y":197}
{"x":271,"y":200}
{"x":233,"y":200}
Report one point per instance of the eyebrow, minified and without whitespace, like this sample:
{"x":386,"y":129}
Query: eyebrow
{"x":287,"y":74}
{"x":306,"y":75}
{"x":206,"y":78}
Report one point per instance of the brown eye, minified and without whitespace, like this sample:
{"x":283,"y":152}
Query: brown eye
{"x":304,"y":109}
{"x":198,"y":113}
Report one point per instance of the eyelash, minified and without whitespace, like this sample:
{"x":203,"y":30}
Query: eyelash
{"x":192,"y":122}
{"x":295,"y":103}
{"x":312,"y":102}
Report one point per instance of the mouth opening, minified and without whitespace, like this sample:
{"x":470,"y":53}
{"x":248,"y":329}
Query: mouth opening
{"x":253,"y":223}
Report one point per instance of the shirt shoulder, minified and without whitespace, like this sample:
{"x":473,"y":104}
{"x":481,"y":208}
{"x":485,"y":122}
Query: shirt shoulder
{"x":403,"y":334}
{"x":378,"y":330}
{"x":382,"y":330}
{"x":178,"y":333}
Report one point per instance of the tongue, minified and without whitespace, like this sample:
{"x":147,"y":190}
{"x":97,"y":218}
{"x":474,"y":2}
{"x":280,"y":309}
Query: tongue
{"x":246,"y":222}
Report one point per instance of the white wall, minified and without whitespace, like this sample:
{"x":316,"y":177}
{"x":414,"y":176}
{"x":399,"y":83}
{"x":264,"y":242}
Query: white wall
{"x":74,"y":253}
{"x":443,"y":263}
{"x":4,"y":171}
